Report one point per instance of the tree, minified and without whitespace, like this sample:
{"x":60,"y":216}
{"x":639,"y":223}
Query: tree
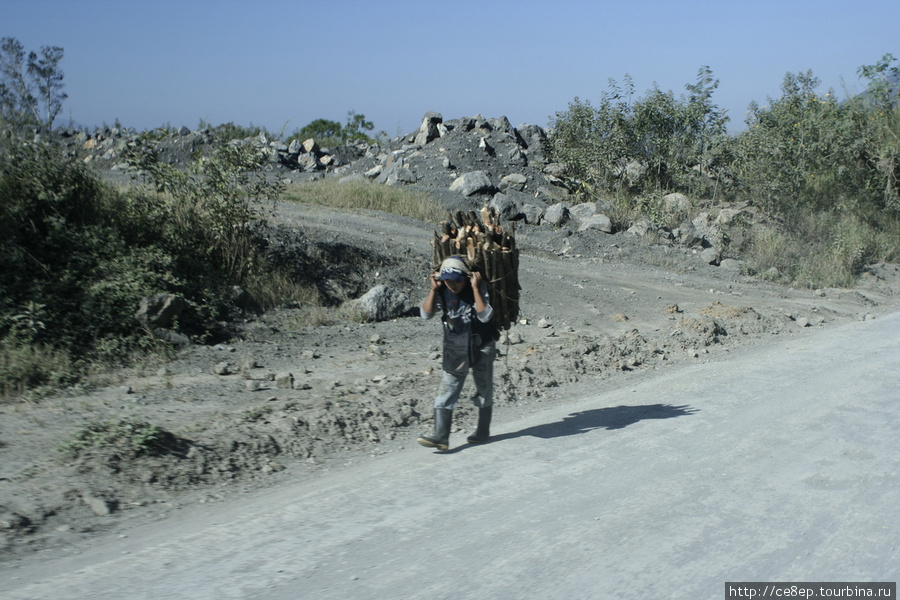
{"x":321,"y":129}
{"x":356,"y":126}
{"x":882,"y":96}
{"x":44,"y":71}
{"x":31,"y":89}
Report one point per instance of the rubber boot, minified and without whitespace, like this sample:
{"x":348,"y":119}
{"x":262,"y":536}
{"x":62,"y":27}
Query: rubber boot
{"x":440,"y":439}
{"x":483,"y":432}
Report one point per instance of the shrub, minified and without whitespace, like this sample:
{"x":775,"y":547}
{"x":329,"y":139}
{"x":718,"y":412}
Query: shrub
{"x":80,"y":255}
{"x":652,"y":144}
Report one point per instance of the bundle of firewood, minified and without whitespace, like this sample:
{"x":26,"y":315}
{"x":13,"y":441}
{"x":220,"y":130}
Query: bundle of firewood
{"x":481,"y":241}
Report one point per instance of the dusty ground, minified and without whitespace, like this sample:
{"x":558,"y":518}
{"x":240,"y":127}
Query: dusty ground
{"x":597,"y":310}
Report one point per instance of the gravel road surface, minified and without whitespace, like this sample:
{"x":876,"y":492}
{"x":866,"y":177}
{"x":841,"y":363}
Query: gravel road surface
{"x":778,"y":464}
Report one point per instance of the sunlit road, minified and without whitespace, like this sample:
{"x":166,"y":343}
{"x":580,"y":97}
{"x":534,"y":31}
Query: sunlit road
{"x":777,"y":464}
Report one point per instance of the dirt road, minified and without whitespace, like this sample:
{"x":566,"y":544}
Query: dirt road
{"x":778,"y":464}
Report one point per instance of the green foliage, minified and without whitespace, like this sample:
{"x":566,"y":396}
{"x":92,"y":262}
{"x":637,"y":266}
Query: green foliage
{"x":227,"y":132}
{"x":828,"y":169}
{"x":822,"y":249}
{"x":61,"y":238}
{"x":321,"y":130}
{"x":882,"y":99}
{"x":138,"y":438}
{"x":211,"y":210}
{"x":328,"y":132}
{"x":31,"y":89}
{"x":80,"y":255}
{"x":655,"y":143}
{"x":803,"y":149}
{"x":356,"y":127}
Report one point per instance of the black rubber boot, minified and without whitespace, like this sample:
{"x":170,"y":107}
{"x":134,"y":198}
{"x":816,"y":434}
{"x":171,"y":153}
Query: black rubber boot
{"x":483,"y":432}
{"x":440,"y":439}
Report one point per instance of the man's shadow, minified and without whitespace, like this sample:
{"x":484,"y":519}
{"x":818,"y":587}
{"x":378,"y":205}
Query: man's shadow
{"x":613,"y":417}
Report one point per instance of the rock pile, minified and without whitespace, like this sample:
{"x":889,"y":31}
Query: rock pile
{"x":465,"y":163}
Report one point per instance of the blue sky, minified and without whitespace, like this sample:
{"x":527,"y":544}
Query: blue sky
{"x":282,"y":64}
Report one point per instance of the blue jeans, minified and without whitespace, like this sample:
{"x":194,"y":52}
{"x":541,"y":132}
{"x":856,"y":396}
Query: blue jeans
{"x":482,"y":375}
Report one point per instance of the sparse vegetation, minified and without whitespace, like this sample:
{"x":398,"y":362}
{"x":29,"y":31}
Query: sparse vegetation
{"x":367,"y":196}
{"x":827,"y":169}
{"x":137,"y":438}
{"x":332,"y":133}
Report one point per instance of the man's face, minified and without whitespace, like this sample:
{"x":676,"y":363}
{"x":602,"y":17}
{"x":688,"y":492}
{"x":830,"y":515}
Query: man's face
{"x":455,"y":286}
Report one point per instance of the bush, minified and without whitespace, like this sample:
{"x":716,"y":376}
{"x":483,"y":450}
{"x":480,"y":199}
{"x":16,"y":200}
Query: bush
{"x":80,"y":255}
{"x":830,"y":169}
{"x":822,"y":249}
{"x":64,"y":243}
{"x":653,"y":144}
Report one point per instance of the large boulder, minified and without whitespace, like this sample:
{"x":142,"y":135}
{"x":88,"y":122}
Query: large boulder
{"x":429,"y":129}
{"x":472,"y":183}
{"x":382,"y":303}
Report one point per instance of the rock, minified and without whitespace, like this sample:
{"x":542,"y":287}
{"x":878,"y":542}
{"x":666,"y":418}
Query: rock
{"x":557,"y":215}
{"x":727,"y":216}
{"x":599,"y":222}
{"x":222,"y":368}
{"x":514,"y":181}
{"x":533,"y":212}
{"x":472,"y":183}
{"x":803,"y":322}
{"x":555,"y":170}
{"x":429,"y":129}
{"x":583,"y":211}
{"x":710,"y":256}
{"x":160,"y":311}
{"x":732,"y":264}
{"x":634,"y":170}
{"x":552,"y":193}
{"x":686,"y":235}
{"x":396,"y":174}
{"x":100,"y":506}
{"x":708,"y":229}
{"x":676,"y":202}
{"x":382,"y":303}
{"x":284,"y":380}
{"x":508,"y":205}
{"x":643,"y":228}
{"x":252,"y":385}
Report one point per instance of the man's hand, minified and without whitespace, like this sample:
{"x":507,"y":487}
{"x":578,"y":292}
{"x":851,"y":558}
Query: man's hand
{"x":475,"y":279}
{"x":435,"y":280}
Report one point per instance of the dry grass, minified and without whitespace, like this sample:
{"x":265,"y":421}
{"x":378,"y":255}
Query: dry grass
{"x":368,"y":196}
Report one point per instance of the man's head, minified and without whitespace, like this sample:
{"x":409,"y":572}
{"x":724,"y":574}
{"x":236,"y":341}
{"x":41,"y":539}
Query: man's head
{"x":455,"y":273}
